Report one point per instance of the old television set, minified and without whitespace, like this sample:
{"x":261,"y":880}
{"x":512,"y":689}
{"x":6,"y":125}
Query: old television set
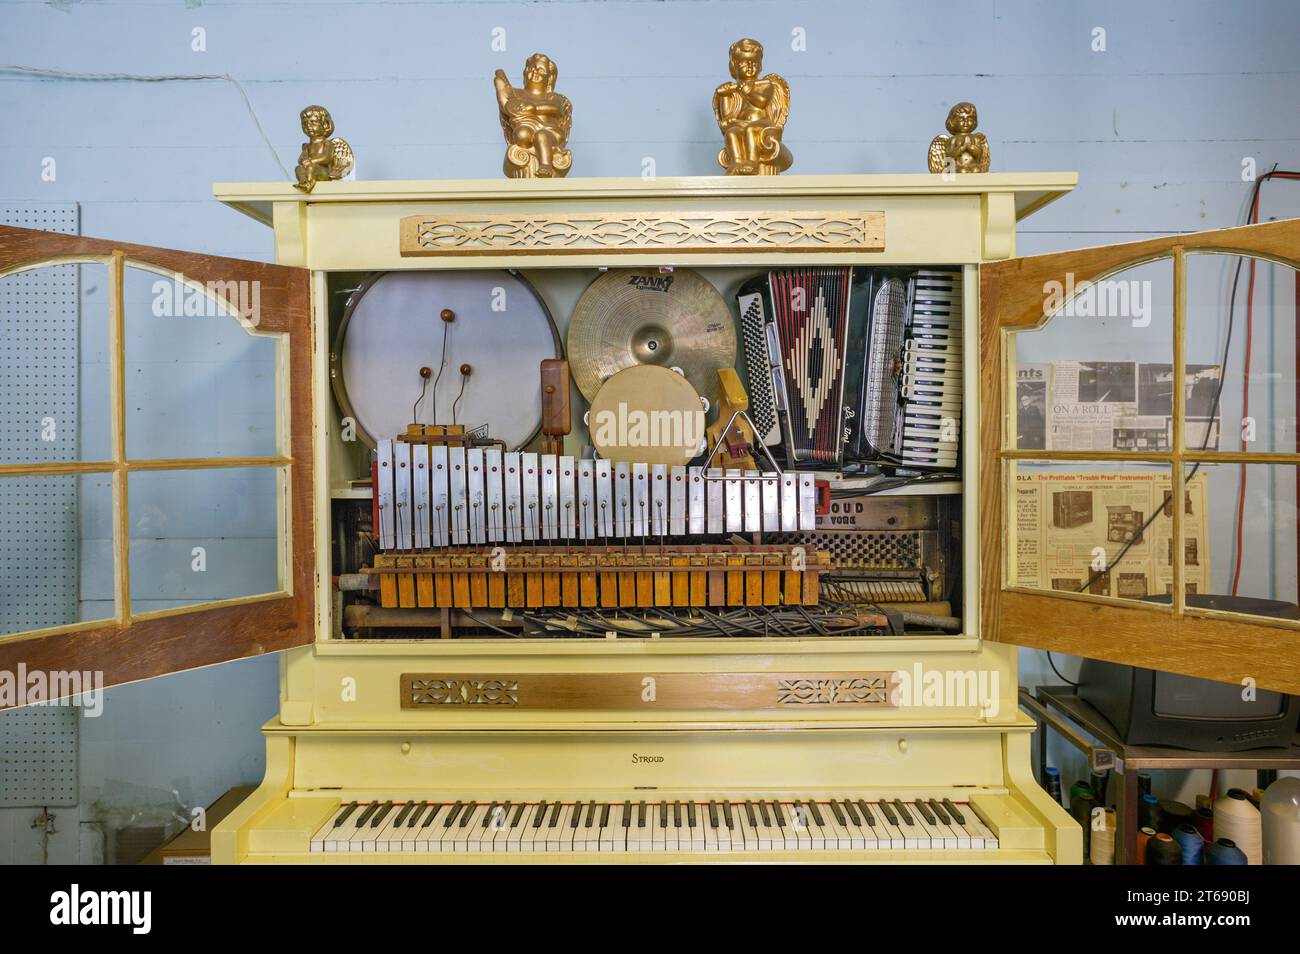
{"x":1149,"y":707}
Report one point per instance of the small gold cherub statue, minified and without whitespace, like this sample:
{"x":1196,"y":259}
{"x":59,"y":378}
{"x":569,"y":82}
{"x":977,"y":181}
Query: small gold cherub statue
{"x":321,"y":158}
{"x":536,"y":121}
{"x":966,"y":149}
{"x":751,"y":113}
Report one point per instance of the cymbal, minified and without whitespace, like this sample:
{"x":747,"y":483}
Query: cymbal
{"x":648,"y":415}
{"x":632,"y":316}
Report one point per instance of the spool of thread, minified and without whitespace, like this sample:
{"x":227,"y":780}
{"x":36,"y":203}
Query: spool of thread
{"x":1190,"y":843}
{"x":1224,"y":852}
{"x":1101,"y":850}
{"x":1163,"y":850}
{"x":1149,"y":812}
{"x":1204,"y":822}
{"x":1173,"y":815}
{"x":1144,"y":784}
{"x":1280,"y":815}
{"x":1237,"y":820}
{"x":1100,"y":781}
{"x":1081,"y":808}
{"x":1144,"y":835}
{"x":1080,"y":786}
{"x":1052,"y":782}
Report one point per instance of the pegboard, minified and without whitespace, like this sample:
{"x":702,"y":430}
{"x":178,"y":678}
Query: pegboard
{"x":40,"y":353}
{"x":38,"y":756}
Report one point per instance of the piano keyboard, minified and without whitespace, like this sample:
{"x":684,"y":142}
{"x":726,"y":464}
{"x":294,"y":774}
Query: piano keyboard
{"x":437,"y":496}
{"x":927,"y":425}
{"x":759,"y":825}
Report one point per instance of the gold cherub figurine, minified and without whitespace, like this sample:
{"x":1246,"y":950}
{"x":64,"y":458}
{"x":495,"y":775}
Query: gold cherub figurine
{"x":536,"y":121}
{"x":321,"y":157}
{"x":751,"y":113}
{"x":966,"y":149}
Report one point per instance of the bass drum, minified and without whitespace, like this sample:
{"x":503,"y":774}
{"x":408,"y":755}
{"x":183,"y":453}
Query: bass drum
{"x":483,"y":364}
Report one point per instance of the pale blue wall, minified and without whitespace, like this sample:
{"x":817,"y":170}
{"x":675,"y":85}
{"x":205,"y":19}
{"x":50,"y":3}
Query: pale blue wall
{"x":1157,"y":127}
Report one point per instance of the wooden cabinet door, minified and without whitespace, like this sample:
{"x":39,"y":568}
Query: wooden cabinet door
{"x":1115,"y":381}
{"x":155,"y":462}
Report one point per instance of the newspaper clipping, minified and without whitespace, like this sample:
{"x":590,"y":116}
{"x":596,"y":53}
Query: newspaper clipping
{"x":1112,"y":405}
{"x":1071,"y":529}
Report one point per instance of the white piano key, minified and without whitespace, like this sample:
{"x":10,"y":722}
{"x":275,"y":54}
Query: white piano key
{"x":623,"y":499}
{"x":476,"y":495}
{"x":753,"y":502}
{"x":531,"y":511}
{"x":403,"y":513}
{"x":658,"y":827}
{"x":605,"y":500}
{"x":640,"y":499}
{"x":716,"y":491}
{"x":677,"y":493}
{"x":548,"y":498}
{"x":735,"y":501}
{"x":695,"y":494}
{"x":420,"y":494}
{"x":384,"y":461}
{"x":807,"y":502}
{"x":659,"y":500}
{"x":329,"y":829}
{"x":492,"y":483}
{"x":512,"y":493}
{"x":585,"y":499}
{"x":789,"y":503}
{"x":568,"y":499}
{"x":611,"y":833}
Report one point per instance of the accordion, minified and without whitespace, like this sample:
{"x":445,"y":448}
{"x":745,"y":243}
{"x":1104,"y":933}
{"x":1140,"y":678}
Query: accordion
{"x":851,"y":365}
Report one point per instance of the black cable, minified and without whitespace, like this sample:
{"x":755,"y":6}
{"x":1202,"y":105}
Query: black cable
{"x":1051,"y":662}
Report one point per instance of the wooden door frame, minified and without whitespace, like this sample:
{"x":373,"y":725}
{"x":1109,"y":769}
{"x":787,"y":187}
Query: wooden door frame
{"x":1215,"y":645}
{"x":139,"y":646}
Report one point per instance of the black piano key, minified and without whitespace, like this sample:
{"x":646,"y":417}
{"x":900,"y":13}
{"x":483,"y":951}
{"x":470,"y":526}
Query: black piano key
{"x":816,"y":812}
{"x":451,"y":816}
{"x":677,"y":814}
{"x":432,"y":815}
{"x":591,"y":812}
{"x":938,"y":812}
{"x":415,"y":815}
{"x":852,"y":813}
{"x":469,"y":811}
{"x":401,"y":816}
{"x":839,"y":815}
{"x":749,"y":813}
{"x":690,"y":814}
{"x":640,"y":815}
{"x":382,"y":814}
{"x":604,"y":815}
{"x":352,"y":807}
{"x":713,"y":814}
{"x":540,"y":815}
{"x":663,"y":814}
{"x":488,"y":815}
{"x":889,"y":813}
{"x":627,"y":814}
{"x":957,"y":816}
{"x":555,"y":814}
{"x":925,"y":812}
{"x":762,"y":811}
{"x":519,"y":814}
{"x":365,"y":816}
{"x":902,"y":810}
{"x":577,"y":814}
{"x":869,"y":818}
{"x":727,"y":816}
{"x":777,"y":814}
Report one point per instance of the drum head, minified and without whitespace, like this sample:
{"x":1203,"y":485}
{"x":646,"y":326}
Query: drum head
{"x":647,"y":414}
{"x":392,"y":328}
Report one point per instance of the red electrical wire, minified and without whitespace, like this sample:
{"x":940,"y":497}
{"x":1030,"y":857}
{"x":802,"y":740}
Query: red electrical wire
{"x":1251,"y":219}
